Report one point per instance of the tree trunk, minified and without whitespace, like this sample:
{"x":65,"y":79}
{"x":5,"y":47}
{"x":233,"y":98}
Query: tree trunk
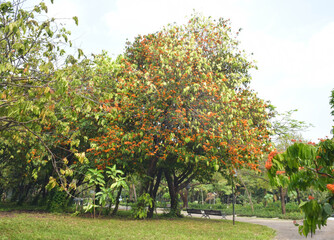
{"x":184,"y":197}
{"x":282,"y":195}
{"x":153,"y":193}
{"x":133,"y":194}
{"x":265,"y":200}
{"x":248,"y":194}
{"x":151,"y":183}
{"x":202,"y":196}
{"x":117,"y":201}
{"x":174,"y":200}
{"x":173,"y":193}
{"x":298,"y":196}
{"x":177,"y":183}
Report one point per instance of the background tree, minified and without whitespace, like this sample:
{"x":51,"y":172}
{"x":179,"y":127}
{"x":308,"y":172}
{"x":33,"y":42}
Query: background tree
{"x":42,"y":94}
{"x":307,"y":166}
{"x":331,"y":103}
{"x":286,"y":128}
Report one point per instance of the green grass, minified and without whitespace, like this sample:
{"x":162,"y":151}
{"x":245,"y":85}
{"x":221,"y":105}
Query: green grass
{"x":18,"y":225}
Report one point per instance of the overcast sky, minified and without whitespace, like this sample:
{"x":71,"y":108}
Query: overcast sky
{"x":292,"y":42}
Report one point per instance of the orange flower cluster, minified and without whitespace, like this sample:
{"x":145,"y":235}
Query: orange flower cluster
{"x":280,"y":172}
{"x":270,"y":157}
{"x":330,"y":187}
{"x":311,"y":197}
{"x":269,"y":164}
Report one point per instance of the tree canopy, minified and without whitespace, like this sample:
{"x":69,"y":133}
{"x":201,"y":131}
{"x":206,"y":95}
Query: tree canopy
{"x":39,"y":94}
{"x":179,"y":105}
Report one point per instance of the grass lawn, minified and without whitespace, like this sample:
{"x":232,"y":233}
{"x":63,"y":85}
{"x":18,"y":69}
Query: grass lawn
{"x":18,"y":225}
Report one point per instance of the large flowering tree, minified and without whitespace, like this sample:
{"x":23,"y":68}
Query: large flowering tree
{"x":179,"y":107}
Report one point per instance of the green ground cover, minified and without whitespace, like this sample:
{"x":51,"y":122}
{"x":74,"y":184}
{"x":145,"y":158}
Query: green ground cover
{"x":32,"y":225}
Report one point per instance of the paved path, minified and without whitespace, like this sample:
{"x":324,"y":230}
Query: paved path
{"x":285,"y":229}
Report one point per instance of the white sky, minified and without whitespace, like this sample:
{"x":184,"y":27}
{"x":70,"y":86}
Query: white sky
{"x":292,"y":42}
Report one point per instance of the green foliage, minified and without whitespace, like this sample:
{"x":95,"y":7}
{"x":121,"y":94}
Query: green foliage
{"x":139,"y":210}
{"x":307,"y":166}
{"x":331,"y":102}
{"x":166,"y":196}
{"x":41,"y":95}
{"x":107,"y":181}
{"x":284,"y":125}
{"x":207,"y":206}
{"x":10,"y":206}
{"x":30,"y":85}
{"x":57,"y":201}
{"x":316,"y":215}
{"x":95,"y":178}
{"x":286,"y":128}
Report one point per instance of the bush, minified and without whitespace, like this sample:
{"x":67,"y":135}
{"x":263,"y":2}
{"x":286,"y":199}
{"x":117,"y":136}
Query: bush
{"x":196,"y":205}
{"x":57,"y":201}
{"x":292,"y":207}
{"x":139,"y":210}
{"x":293,"y":215}
{"x":161,"y":204}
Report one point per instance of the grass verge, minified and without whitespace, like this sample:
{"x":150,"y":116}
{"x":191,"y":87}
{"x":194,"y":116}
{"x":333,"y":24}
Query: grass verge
{"x":18,"y":225}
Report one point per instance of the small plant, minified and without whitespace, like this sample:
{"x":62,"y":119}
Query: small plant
{"x":140,"y":209}
{"x":95,"y":178}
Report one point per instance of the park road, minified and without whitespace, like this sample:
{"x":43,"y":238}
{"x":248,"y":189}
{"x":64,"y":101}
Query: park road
{"x":286,"y":230}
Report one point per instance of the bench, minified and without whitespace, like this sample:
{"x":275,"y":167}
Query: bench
{"x":194,"y":211}
{"x":207,"y":213}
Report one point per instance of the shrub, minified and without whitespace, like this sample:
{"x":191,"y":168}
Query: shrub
{"x":139,"y":210}
{"x":57,"y":201}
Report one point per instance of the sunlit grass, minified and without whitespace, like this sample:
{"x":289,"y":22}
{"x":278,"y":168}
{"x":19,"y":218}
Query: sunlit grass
{"x":50,"y":226}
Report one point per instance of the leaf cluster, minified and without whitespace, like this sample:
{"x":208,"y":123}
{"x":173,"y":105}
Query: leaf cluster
{"x":304,"y":166}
